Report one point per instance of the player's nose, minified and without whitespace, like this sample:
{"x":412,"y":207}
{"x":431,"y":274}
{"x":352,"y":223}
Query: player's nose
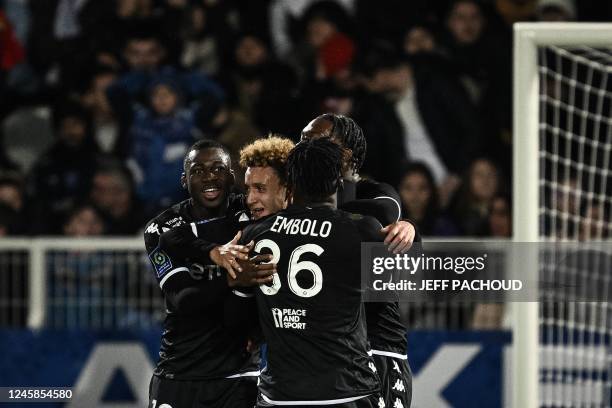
{"x":250,"y":199}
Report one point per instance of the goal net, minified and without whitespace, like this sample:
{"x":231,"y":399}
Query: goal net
{"x":563,"y":192}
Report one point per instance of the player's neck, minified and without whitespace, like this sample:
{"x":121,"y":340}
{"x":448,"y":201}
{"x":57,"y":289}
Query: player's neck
{"x":204,"y":213}
{"x":351,"y":175}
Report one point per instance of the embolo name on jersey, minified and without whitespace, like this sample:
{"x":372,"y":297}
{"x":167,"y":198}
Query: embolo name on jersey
{"x":312,"y":316}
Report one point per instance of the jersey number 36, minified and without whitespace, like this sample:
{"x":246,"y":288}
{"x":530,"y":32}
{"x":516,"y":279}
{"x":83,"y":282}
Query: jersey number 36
{"x":295,"y":266}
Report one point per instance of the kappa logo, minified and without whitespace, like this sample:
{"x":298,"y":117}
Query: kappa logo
{"x":398,"y":403}
{"x":381,"y":402}
{"x":289,"y":318}
{"x":399,"y":386}
{"x":372,"y":366}
{"x":152,"y":229}
{"x":396,"y":366}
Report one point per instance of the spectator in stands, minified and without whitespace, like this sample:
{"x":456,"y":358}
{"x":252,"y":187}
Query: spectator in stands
{"x":319,"y":23}
{"x":63,"y":174}
{"x":261,"y":88}
{"x":113,"y":195}
{"x":11,"y":191}
{"x":500,"y":217}
{"x":331,"y":86}
{"x":430,"y":118}
{"x":143,"y":50}
{"x":179,"y":109}
{"x":556,"y":10}
{"x":105,"y":125}
{"x":470,"y":206}
{"x":489,"y":316}
{"x":418,"y":39}
{"x":80,"y":281}
{"x":11,"y":194}
{"x":200,"y":45}
{"x":287,"y":17}
{"x":420,"y":202}
{"x":83,"y":221}
{"x":481,"y":55}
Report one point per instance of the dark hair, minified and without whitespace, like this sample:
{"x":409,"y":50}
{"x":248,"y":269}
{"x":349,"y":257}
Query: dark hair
{"x":377,"y":55}
{"x":78,"y":207}
{"x":314,"y":168}
{"x":327,"y":10}
{"x":204,"y":144}
{"x":143,"y":30}
{"x":109,"y":165}
{"x":452,"y":4}
{"x":347,"y":131}
{"x":432,"y":211}
{"x":68,"y":108}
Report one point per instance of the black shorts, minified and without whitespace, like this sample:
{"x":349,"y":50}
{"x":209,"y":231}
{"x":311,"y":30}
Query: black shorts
{"x":371,"y":401}
{"x":395,"y":380}
{"x":219,"y":393}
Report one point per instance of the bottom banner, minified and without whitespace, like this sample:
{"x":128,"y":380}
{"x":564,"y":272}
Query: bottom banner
{"x":451,"y":369}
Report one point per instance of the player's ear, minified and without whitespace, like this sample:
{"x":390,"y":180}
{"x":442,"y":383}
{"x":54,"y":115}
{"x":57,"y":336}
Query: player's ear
{"x":184,"y":180}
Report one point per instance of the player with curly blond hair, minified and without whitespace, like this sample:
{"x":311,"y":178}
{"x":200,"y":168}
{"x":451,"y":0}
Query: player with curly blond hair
{"x":265,"y":178}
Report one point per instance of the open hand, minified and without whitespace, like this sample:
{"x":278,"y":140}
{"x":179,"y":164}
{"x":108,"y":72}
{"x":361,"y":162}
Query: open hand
{"x":399,"y":236}
{"x":228,"y":255}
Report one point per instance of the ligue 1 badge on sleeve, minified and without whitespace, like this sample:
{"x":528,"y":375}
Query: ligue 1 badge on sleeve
{"x":161,"y":262}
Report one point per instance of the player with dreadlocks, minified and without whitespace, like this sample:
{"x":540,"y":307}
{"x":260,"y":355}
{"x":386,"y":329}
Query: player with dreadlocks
{"x":312,"y":316}
{"x":386,"y":333}
{"x":399,"y":233}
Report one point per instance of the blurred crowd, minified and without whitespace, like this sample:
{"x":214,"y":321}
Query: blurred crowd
{"x":99,"y":100}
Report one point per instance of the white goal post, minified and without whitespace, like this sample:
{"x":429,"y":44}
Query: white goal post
{"x":526,"y":171}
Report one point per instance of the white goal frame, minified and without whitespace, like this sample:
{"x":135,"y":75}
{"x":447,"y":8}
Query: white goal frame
{"x":526,"y":165}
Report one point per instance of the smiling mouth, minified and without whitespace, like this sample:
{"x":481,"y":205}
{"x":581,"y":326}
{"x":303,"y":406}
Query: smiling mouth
{"x":211,"y":193}
{"x":257,"y":212}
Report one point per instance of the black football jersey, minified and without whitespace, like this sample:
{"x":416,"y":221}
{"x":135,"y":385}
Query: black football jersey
{"x":312,"y":316}
{"x":370,"y":189}
{"x":196,"y":343}
{"x":386,"y":332}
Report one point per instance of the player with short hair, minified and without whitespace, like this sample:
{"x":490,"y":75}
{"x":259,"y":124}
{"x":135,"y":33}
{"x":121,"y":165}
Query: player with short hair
{"x":386,"y":333}
{"x":204,"y":360}
{"x":312,"y":316}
